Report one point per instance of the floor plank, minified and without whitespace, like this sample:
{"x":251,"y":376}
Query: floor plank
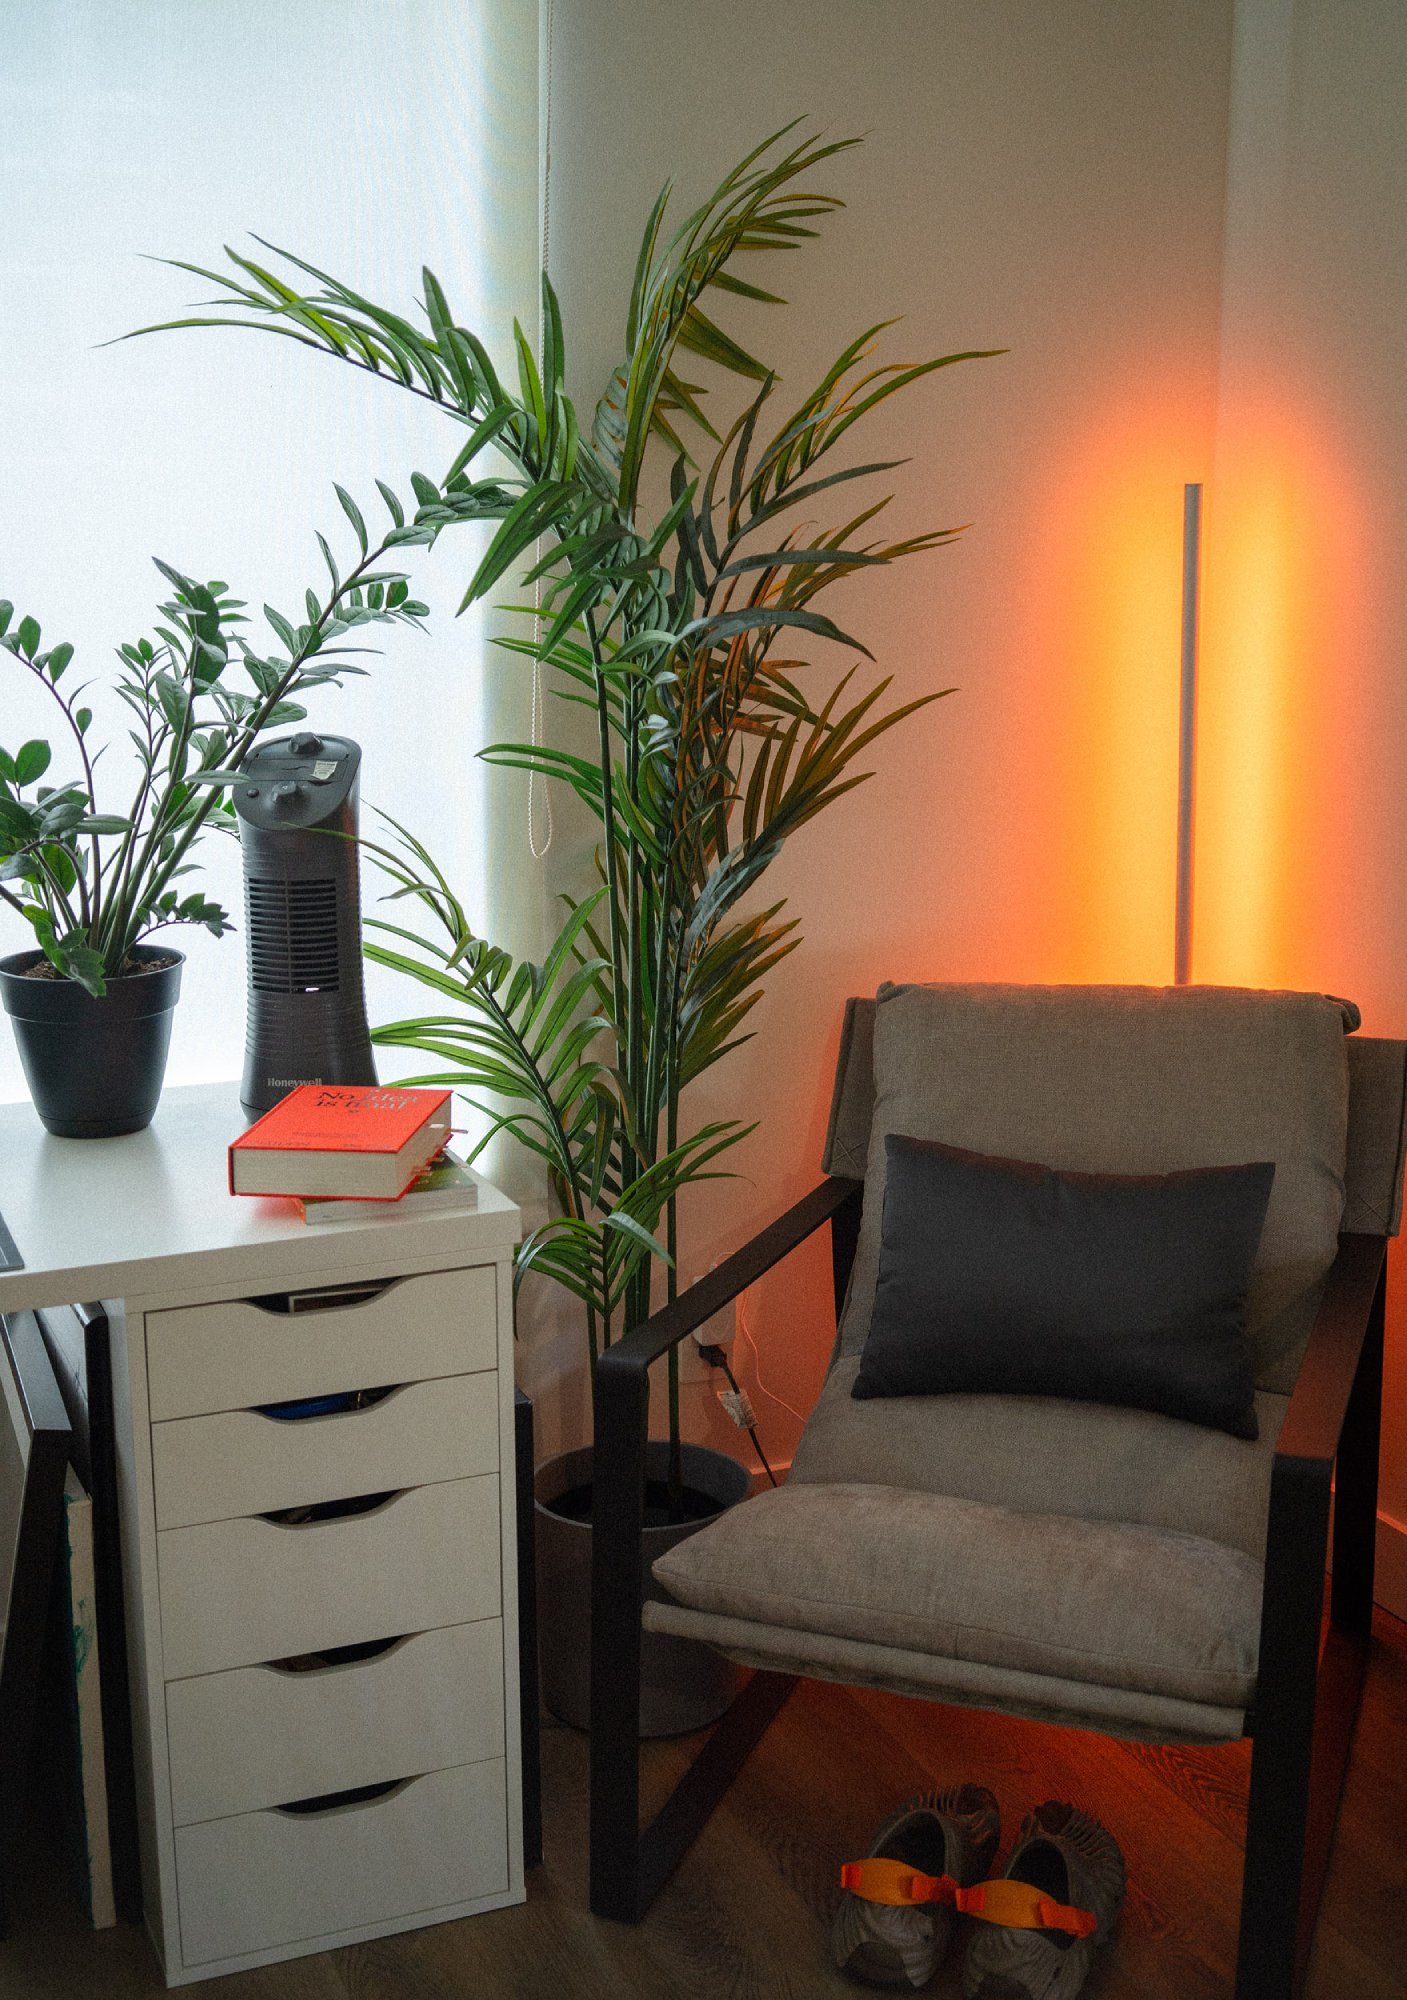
{"x":747,"y":1916}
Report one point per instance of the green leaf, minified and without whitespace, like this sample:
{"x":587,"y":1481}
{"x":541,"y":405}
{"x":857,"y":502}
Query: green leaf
{"x":332,"y":568}
{"x":354,"y":515}
{"x":628,"y":1226}
{"x":483,"y":433}
{"x":283,"y":630}
{"x":31,"y":761}
{"x":518,"y":530}
{"x":81,"y":963}
{"x":18,"y":824}
{"x":28,"y":637}
{"x":173,"y":699}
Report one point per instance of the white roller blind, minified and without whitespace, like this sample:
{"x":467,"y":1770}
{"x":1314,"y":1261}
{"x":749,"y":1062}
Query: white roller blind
{"x":370,"y":136}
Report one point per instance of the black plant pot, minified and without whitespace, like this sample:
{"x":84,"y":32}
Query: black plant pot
{"x":684,"y":1686}
{"x":94,"y":1067}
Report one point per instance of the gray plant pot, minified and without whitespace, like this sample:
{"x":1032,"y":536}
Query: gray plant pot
{"x":683,"y":1686}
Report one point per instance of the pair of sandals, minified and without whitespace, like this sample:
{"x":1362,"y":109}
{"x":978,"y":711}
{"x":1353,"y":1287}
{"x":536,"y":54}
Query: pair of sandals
{"x":1040,"y":1921}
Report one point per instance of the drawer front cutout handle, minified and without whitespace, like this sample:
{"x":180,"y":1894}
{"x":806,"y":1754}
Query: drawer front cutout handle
{"x":345,"y":1403}
{"x":325,"y":1512}
{"x":329,"y":1298}
{"x":340,"y":1802}
{"x":333,"y":1657}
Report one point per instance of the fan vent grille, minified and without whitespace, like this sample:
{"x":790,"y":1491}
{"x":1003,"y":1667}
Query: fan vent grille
{"x":292,"y":936}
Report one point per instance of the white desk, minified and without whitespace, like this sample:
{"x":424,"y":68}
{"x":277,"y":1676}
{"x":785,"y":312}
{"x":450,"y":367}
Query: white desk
{"x":287,"y":1809}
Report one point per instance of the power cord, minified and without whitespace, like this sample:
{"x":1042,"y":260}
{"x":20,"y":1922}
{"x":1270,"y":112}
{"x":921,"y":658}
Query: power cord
{"x":739,"y":1408}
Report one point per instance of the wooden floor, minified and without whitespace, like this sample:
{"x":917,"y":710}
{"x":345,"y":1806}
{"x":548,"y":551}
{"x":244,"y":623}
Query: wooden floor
{"x":746,"y":1917}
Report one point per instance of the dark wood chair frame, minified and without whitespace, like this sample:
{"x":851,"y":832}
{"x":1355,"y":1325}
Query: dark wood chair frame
{"x":1310,"y":1677}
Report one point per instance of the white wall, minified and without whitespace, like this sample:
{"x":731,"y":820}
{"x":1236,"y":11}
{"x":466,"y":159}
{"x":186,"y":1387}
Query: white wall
{"x":1040,"y":176}
{"x":369,"y":135}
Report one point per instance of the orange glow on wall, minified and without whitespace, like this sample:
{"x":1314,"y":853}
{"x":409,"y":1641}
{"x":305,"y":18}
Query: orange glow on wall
{"x":1108,"y":669}
{"x":1279,"y":565}
{"x":1279,"y":584}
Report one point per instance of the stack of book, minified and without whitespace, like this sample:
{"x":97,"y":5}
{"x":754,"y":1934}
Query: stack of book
{"x":344,"y":1152}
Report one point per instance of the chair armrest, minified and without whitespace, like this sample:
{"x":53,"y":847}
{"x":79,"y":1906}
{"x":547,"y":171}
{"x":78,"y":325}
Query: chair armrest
{"x":636,"y":1349}
{"x":1314,"y":1421}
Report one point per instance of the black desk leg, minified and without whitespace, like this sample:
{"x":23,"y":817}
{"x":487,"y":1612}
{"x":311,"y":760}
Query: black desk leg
{"x":527,"y":1632}
{"x":111,"y":1619}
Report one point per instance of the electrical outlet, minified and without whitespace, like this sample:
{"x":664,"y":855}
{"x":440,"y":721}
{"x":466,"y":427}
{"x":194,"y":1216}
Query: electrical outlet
{"x":718,"y":1331}
{"x":693,"y":1365}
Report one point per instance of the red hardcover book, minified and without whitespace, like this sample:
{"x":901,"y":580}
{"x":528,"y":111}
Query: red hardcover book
{"x":331,"y":1142}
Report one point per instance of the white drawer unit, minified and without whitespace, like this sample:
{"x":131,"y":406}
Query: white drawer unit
{"x":270,"y":1879}
{"x":314,"y":1436}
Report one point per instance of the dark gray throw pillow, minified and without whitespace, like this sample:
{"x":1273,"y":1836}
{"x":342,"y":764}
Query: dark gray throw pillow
{"x":999,"y":1277}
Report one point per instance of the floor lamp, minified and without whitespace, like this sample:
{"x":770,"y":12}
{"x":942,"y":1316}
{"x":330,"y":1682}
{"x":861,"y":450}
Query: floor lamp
{"x":1187,"y":732}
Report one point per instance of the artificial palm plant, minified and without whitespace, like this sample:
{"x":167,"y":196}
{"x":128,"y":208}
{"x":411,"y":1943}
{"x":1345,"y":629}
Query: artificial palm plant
{"x":671,"y":608}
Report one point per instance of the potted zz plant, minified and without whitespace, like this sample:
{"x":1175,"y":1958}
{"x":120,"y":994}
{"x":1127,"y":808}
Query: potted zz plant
{"x":91,"y":1000}
{"x":705,"y":744}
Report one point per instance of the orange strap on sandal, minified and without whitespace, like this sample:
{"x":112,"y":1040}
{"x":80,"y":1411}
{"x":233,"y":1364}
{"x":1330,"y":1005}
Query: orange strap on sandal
{"x":1020,"y":1907}
{"x":877,"y":1880}
{"x":1014,"y":1905}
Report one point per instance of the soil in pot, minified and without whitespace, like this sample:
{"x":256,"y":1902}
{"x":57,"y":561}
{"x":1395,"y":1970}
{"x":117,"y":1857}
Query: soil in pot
{"x":683,"y":1686}
{"x":94,"y":1066}
{"x":131,"y":968}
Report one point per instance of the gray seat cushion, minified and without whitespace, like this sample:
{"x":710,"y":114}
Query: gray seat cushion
{"x":1037,"y":1455}
{"x":1130,"y":1079}
{"x":1138,"y":1609}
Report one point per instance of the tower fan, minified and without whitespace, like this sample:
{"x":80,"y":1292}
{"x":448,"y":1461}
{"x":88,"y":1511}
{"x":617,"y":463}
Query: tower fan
{"x":297,"y":805}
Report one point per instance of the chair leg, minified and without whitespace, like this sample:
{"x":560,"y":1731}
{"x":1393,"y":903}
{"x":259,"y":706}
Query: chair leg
{"x":1267,"y":1959}
{"x":628,"y":1868}
{"x":1278,"y":1814}
{"x":1307,"y":1701}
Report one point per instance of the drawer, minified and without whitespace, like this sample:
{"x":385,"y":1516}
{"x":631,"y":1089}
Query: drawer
{"x":238,"y":1353}
{"x":242,"y":1462}
{"x":272,"y":1878}
{"x":263,"y":1735}
{"x":235,"y":1593}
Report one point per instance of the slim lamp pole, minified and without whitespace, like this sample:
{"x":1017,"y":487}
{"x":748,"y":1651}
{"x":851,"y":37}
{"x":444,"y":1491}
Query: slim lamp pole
{"x":1187,"y":731}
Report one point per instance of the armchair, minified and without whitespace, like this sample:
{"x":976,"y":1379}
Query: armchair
{"x":1195,"y":1562}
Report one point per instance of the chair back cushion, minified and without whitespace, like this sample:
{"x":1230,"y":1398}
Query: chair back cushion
{"x":1000,"y":1278}
{"x":1118,"y":1079}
